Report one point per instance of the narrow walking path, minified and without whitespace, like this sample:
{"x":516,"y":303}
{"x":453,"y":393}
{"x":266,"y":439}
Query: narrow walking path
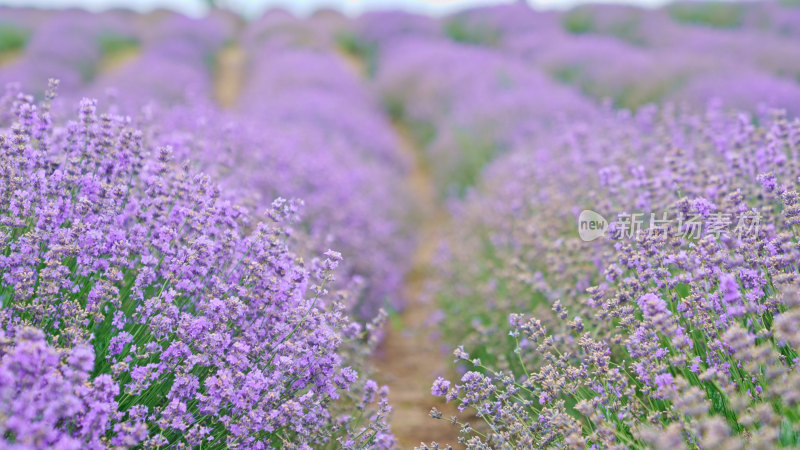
{"x":118,"y":59}
{"x":409,"y":359}
{"x":229,"y":75}
{"x":8,"y":57}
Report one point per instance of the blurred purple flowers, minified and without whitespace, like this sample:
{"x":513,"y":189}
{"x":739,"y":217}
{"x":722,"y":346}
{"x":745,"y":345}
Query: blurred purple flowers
{"x":183,"y":270}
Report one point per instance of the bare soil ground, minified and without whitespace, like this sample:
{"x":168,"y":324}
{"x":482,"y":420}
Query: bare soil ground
{"x":410,"y":358}
{"x":229,"y":75}
{"x":8,"y":57}
{"x":117,"y":60}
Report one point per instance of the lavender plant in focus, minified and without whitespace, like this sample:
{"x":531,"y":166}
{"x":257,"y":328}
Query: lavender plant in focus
{"x":143,"y":307}
{"x":682,"y":335}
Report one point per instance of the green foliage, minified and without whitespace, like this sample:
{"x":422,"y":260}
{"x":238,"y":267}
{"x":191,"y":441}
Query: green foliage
{"x":627,"y":30}
{"x":578,"y":21}
{"x":716,"y":14}
{"x":422,"y":133}
{"x":12,"y":37}
{"x":486,"y":335}
{"x":476,"y":151}
{"x":627,"y":96}
{"x":365,"y":52}
{"x":395,"y":108}
{"x":113,"y":44}
{"x":569,"y":73}
{"x":459,"y":30}
{"x":624,"y":27}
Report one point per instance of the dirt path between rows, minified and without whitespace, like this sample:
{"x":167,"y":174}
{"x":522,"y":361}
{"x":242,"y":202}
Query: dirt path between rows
{"x":410,"y":357}
{"x":119,"y":59}
{"x":9,"y":56}
{"x":229,"y":75}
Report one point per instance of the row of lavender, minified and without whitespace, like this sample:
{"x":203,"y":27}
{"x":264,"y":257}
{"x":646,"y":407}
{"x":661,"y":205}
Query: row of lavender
{"x":81,"y":48}
{"x":148,"y":304}
{"x":286,"y":136}
{"x":143,"y":307}
{"x":679,"y":328}
{"x":537,"y":68}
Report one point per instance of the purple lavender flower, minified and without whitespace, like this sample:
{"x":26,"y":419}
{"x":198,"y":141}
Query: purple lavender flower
{"x":729,"y":289}
{"x":440,"y":387}
{"x":664,"y":381}
{"x":217,"y":328}
{"x":703,"y":206}
{"x":652,"y":305}
{"x":768,"y":181}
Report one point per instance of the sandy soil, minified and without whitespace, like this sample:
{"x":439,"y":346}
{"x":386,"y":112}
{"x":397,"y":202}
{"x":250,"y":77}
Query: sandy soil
{"x":229,"y":75}
{"x":119,"y":59}
{"x":410,"y":358}
{"x":9,"y":57}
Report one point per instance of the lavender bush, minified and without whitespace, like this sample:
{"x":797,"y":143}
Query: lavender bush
{"x":72,"y":45}
{"x":350,"y":171}
{"x":463,"y":118}
{"x":296,"y":144}
{"x":142,"y":307}
{"x":687,"y":334}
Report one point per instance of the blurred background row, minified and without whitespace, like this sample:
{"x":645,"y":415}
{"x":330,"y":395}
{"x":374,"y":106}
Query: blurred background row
{"x":465,"y":87}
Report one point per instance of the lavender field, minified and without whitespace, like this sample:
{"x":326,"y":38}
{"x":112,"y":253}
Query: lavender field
{"x":502,"y":228}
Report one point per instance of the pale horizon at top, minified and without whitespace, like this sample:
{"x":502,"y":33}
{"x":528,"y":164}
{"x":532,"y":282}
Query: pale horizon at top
{"x":305,"y":7}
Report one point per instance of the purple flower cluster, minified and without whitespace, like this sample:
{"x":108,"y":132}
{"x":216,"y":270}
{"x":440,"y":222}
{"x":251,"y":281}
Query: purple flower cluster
{"x":347,"y":168}
{"x":197,"y":325}
{"x":663,"y":337}
{"x":462,"y":117}
{"x":44,"y":392}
